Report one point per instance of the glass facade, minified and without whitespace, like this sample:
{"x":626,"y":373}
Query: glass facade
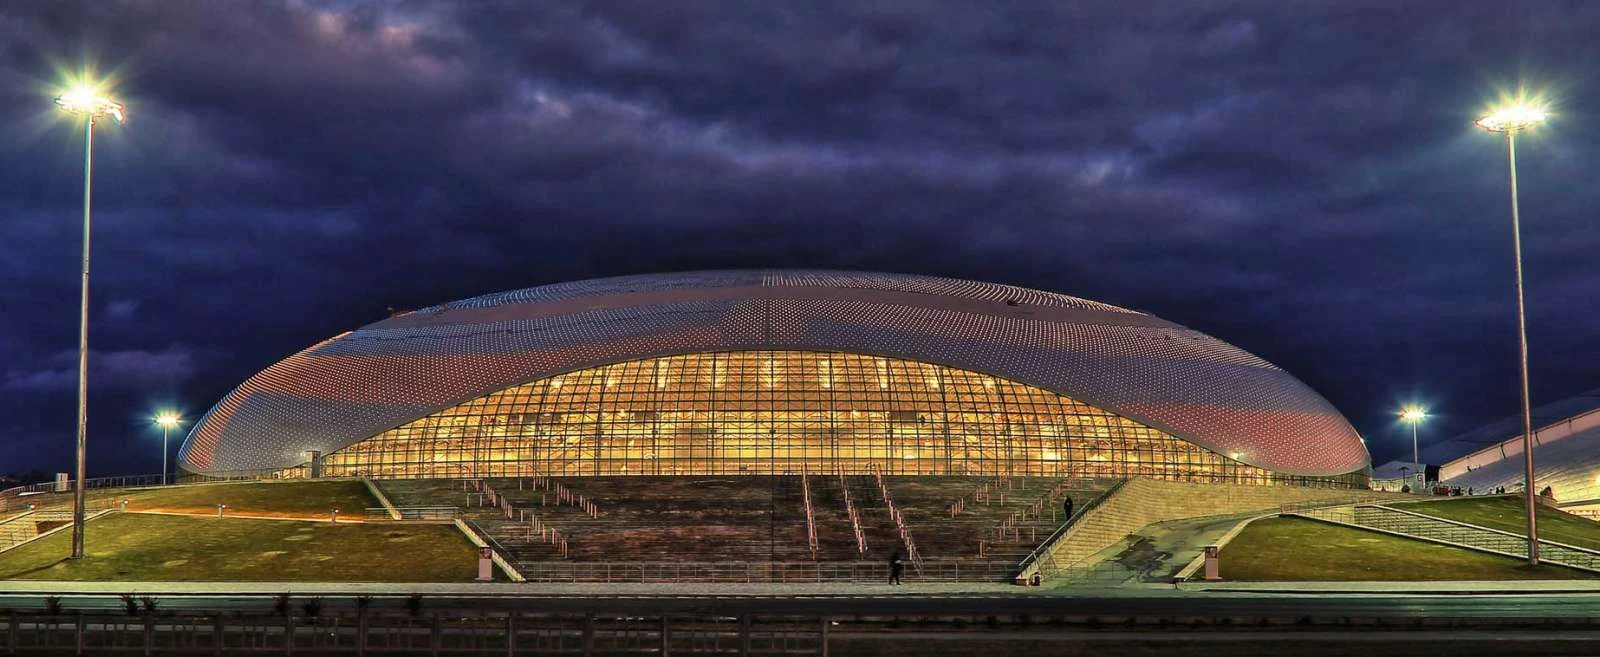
{"x":761,"y":412}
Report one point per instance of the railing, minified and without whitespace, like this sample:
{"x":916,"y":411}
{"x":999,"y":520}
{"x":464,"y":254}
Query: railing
{"x":899,"y":522}
{"x":1041,"y":556}
{"x":416,"y":512}
{"x":454,"y":632}
{"x":855,"y":516}
{"x":811,"y":521}
{"x":126,"y":481}
{"x":261,"y":474}
{"x":1012,"y":524}
{"x":1329,"y":502}
{"x":25,"y":527}
{"x":1451,"y":532}
{"x":758,"y":572}
{"x":502,"y":555}
{"x":535,"y":525}
{"x":563,"y":495}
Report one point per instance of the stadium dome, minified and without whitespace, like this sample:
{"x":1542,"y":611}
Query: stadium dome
{"x":752,"y":372}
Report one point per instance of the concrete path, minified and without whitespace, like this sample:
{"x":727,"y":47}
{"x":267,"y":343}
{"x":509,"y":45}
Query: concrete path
{"x":1390,"y":588}
{"x":493,"y":589}
{"x":1152,"y":555}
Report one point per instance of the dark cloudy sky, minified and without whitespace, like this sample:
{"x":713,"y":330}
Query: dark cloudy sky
{"x":1301,"y":179}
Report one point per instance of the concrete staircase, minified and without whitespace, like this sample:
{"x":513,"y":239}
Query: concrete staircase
{"x":1140,"y":502}
{"x":1408,"y":524}
{"x":26,"y":527}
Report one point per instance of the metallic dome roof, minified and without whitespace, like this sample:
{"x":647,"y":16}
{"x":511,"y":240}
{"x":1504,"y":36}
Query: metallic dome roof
{"x":385,"y":374}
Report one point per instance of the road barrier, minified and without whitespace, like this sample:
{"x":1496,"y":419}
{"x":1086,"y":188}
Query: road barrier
{"x":797,"y":572}
{"x":437,"y":633}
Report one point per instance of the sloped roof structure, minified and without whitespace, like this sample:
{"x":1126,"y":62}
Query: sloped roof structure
{"x":1183,"y":382}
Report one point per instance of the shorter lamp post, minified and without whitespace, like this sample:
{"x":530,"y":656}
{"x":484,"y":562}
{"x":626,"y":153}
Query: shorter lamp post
{"x":167,"y":420}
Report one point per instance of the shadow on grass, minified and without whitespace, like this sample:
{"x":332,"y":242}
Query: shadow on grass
{"x":31,"y":571}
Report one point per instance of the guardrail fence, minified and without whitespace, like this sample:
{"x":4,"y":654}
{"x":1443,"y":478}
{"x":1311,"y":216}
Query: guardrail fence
{"x":753,"y":572}
{"x":416,"y":512}
{"x":433,"y":634}
{"x":1450,"y":532}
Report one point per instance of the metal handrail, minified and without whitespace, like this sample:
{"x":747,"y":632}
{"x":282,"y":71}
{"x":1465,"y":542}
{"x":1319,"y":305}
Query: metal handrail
{"x":899,"y":522}
{"x":1042,"y":549}
{"x":755,"y":571}
{"x":486,"y":537}
{"x":1456,"y":533}
{"x":417,"y":512}
{"x":855,"y":517}
{"x":122,"y":481}
{"x":1327,"y":502}
{"x":811,"y":522}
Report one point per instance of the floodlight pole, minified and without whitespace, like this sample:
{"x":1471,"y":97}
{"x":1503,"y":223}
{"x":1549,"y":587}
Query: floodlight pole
{"x":1522,"y":341}
{"x":1414,"y":458}
{"x":166,"y":428}
{"x":79,"y":495}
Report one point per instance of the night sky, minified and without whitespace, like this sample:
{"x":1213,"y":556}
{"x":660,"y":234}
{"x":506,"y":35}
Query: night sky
{"x":1300,"y":179}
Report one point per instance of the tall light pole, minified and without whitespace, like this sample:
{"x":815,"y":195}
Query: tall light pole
{"x":1414,"y":415}
{"x":90,"y":104}
{"x":167,"y":420}
{"x":1510,"y":120}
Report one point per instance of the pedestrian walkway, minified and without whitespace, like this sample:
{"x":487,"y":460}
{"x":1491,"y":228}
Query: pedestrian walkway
{"x":1497,"y":587}
{"x":912,"y":588}
{"x":1152,"y":554}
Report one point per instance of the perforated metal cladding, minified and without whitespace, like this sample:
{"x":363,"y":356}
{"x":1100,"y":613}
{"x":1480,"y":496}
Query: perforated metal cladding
{"x":1569,"y":466}
{"x":1180,"y":381}
{"x":930,"y":285}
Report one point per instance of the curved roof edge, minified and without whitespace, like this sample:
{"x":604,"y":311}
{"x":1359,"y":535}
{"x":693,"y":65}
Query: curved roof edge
{"x":976,"y":333}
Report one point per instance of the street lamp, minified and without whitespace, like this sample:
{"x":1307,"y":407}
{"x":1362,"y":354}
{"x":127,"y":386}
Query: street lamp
{"x":90,"y":104}
{"x":1414,"y":415}
{"x":1509,"y":120}
{"x":167,"y":420}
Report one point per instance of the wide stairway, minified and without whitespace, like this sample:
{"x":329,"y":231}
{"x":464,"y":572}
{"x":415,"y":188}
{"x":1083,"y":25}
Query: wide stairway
{"x":622,"y":528}
{"x":24,"y":527}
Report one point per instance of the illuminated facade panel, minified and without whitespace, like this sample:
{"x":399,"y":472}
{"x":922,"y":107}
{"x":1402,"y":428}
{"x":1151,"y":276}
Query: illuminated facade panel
{"x":787,"y":412}
{"x":1188,"y":385}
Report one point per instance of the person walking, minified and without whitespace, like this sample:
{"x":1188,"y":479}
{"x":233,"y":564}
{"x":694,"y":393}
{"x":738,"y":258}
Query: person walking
{"x":1066,"y":507}
{"x":896,"y":568}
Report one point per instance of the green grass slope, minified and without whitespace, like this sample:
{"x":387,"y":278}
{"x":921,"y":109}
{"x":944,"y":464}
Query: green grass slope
{"x":1508,"y":514}
{"x":1300,"y":550}
{"x":147,"y":547}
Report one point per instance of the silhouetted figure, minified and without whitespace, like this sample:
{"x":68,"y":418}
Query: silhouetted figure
{"x":1066,"y":508}
{"x":1548,"y":492}
{"x":896,"y":568}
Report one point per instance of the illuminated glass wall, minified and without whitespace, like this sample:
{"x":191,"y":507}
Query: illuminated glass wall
{"x":759,"y":412}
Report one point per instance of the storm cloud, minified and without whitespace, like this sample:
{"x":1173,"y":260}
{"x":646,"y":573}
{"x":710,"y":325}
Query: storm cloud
{"x":1301,"y":179}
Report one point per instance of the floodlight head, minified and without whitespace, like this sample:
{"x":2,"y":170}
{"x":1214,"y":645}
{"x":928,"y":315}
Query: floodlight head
{"x":1413,"y":414}
{"x":1512,"y":118}
{"x":168,"y":419}
{"x":86,"y":101}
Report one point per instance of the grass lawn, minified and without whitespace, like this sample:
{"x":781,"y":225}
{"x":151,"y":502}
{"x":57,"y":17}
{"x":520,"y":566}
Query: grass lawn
{"x":142,"y":547}
{"x":1506,"y":514}
{"x":1301,"y":550}
{"x":304,"y":499}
